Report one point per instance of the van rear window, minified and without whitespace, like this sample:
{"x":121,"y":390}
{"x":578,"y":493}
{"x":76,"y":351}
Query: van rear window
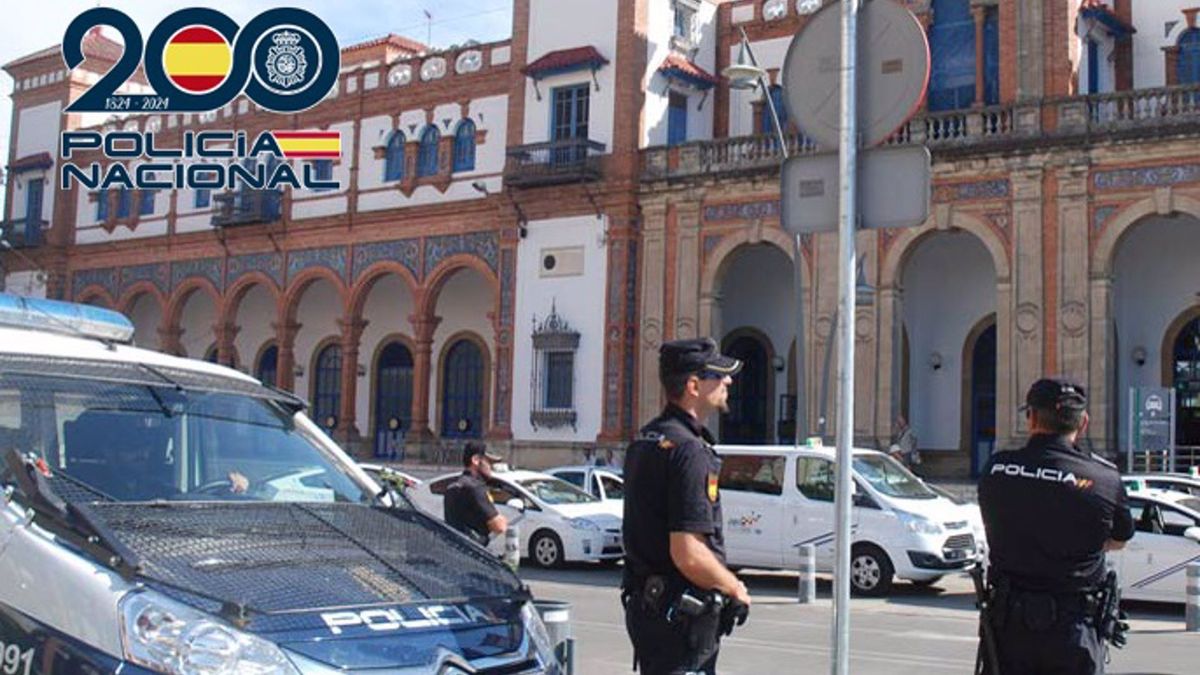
{"x":760,"y":474}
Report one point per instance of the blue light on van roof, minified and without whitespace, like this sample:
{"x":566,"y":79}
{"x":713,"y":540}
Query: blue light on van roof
{"x":67,"y":318}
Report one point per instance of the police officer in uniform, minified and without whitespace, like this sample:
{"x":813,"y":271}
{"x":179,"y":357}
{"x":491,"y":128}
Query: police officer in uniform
{"x":1051,"y":512}
{"x":467,"y":505}
{"x":674,"y":547}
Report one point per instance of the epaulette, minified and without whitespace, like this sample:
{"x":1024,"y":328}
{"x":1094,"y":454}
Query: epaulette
{"x":1104,"y":461}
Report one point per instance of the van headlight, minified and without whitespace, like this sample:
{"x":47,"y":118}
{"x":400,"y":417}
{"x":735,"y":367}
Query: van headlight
{"x":171,"y":637}
{"x":584,"y":524}
{"x":918,"y":524}
{"x":538,"y":635}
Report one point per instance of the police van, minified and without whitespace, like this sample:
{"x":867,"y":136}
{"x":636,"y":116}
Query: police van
{"x":163,"y":515}
{"x":775,"y":499}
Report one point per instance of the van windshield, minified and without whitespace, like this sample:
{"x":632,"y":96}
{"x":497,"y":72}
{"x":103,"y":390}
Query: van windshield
{"x":890,"y":477}
{"x":554,"y":491}
{"x":133,"y":441}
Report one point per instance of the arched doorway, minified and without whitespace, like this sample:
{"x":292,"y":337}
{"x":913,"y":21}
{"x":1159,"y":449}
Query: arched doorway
{"x":327,"y":386}
{"x":981,"y":393}
{"x":267,"y":368}
{"x":462,"y":390}
{"x":748,"y":420}
{"x":393,"y":397}
{"x":1185,"y":365}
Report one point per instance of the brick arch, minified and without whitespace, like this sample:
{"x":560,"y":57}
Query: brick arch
{"x":136,"y":291}
{"x":1105,"y":249}
{"x":298,"y":286}
{"x":95,"y":292}
{"x":361,"y":290}
{"x":238,"y":290}
{"x":436,"y":280}
{"x":180,"y":295}
{"x":910,"y":239}
{"x":720,"y":256}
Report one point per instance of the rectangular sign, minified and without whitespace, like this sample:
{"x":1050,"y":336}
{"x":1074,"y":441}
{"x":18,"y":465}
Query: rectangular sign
{"x":1152,"y":413}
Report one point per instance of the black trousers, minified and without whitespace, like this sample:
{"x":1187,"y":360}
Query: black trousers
{"x":1032,"y":640}
{"x":686,"y":645}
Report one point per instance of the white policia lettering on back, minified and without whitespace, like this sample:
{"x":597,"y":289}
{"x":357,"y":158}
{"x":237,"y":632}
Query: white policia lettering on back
{"x":1040,"y":473}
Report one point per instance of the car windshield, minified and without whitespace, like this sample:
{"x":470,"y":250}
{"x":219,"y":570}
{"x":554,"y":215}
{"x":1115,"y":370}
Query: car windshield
{"x":554,"y":491}
{"x":890,"y":477}
{"x":131,"y":441}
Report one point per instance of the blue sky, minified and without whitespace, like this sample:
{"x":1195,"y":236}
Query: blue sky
{"x":32,"y":25}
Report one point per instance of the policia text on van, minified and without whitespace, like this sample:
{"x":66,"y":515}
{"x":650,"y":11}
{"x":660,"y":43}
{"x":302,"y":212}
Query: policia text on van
{"x":126,"y":544}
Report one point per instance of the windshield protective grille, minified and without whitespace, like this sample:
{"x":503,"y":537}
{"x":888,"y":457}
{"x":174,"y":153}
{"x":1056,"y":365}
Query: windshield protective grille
{"x":290,"y":557}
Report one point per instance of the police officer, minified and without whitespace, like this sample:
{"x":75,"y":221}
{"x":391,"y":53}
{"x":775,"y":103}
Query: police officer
{"x":467,"y":504}
{"x":1051,"y":511}
{"x":674,"y":547}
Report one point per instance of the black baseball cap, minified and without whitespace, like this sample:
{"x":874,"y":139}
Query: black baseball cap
{"x":1053,"y":393}
{"x":697,"y":355}
{"x":473,"y":448}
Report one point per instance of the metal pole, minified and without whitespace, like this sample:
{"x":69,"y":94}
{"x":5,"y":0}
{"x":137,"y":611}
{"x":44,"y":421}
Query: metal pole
{"x":1192,"y":598}
{"x":801,"y":412}
{"x":807,"y":591}
{"x":847,"y":259}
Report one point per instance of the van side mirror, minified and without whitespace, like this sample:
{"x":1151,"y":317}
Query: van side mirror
{"x":1192,"y":533}
{"x":515,"y":504}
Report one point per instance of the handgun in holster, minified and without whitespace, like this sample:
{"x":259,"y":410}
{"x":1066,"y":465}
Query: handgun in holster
{"x":1110,"y":620}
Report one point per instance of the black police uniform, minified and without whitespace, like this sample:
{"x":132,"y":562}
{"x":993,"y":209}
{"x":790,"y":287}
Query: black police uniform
{"x":671,"y":475}
{"x":468,"y":507}
{"x":1048,"y":509}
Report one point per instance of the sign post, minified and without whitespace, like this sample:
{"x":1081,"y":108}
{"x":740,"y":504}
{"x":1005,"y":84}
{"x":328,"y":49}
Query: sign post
{"x":1152,"y":427}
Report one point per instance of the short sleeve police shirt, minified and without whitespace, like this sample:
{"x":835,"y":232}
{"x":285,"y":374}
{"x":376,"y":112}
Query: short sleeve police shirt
{"x":1048,"y":509}
{"x":671,"y":477}
{"x":468,"y":506}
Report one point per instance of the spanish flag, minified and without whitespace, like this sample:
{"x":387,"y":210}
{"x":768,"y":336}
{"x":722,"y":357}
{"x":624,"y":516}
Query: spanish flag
{"x":309,"y":144}
{"x":197,"y":59}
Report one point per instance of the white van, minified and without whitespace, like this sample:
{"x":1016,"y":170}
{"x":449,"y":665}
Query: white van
{"x":775,"y":499}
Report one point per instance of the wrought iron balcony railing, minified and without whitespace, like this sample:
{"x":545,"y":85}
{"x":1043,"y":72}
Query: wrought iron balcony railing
{"x":23,"y":232}
{"x":246,"y":207}
{"x":565,"y":161}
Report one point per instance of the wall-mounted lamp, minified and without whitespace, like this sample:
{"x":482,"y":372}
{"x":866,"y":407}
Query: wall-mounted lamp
{"x":361,"y":371}
{"x":778,"y":363}
{"x":298,"y":371}
{"x":1139,"y":356}
{"x":935,"y":360}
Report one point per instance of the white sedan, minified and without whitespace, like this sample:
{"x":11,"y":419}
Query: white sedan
{"x":1153,"y":564}
{"x":605,"y":482}
{"x":560,"y":523}
{"x":1175,"y":482}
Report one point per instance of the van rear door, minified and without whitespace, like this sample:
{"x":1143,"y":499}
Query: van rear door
{"x":810,"y":509}
{"x":752,"y":506}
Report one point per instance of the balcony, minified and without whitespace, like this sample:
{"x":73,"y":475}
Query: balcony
{"x":1042,"y":124}
{"x":574,"y":160}
{"x":23,"y":232}
{"x":246,"y":207}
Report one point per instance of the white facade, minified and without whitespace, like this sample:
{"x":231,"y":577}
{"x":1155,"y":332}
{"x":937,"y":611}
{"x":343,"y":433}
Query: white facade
{"x":36,"y":132}
{"x":1089,"y":30}
{"x":1159,"y":24}
{"x":770,"y":55}
{"x":579,"y":299}
{"x":660,"y":28}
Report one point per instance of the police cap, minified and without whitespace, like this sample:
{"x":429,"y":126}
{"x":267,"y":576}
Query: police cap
{"x":699,"y":355}
{"x":1055,"y":394}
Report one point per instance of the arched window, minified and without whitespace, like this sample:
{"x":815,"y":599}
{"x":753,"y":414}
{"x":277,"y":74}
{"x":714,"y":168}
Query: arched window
{"x":1186,"y":367}
{"x":102,"y":204}
{"x":462,"y":391}
{"x":952,"y":53}
{"x":327,"y":387}
{"x":464,"y":146}
{"x":267,"y":368}
{"x":393,"y":394}
{"x":427,"y":156}
{"x":124,"y":202}
{"x":212,"y":355}
{"x":1189,"y":57}
{"x":393,"y":163}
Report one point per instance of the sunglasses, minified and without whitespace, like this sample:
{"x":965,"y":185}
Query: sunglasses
{"x":710,"y":375}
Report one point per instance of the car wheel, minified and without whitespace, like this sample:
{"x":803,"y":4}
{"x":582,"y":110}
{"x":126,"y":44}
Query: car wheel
{"x":925,"y":583}
{"x":546,"y":549}
{"x":871,"y":571}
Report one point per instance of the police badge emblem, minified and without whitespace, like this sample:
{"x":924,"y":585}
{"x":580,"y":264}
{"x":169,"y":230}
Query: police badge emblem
{"x":286,"y":62}
{"x":713,"y":491}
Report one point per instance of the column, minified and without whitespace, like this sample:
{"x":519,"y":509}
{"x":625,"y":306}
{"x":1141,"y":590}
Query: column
{"x":285,"y":338}
{"x":226,"y":332}
{"x":352,"y":329}
{"x":1073,"y":272}
{"x":1020,"y":363}
{"x":979,"y":13}
{"x":687,"y":273}
{"x":654,"y":222}
{"x":170,"y":339}
{"x":423,"y":329}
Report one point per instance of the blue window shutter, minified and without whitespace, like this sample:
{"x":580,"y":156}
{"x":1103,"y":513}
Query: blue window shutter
{"x":677,"y":119}
{"x":124,"y":199}
{"x":1093,"y":74}
{"x":464,"y":146}
{"x":1188,"y":68}
{"x":203,"y":198}
{"x":952,"y":52}
{"x":102,"y":204}
{"x":146,"y":207}
{"x":393,"y":163}
{"x":427,"y":156}
{"x":991,"y":57}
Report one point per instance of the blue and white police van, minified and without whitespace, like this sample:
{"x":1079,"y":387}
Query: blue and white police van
{"x":164,"y":515}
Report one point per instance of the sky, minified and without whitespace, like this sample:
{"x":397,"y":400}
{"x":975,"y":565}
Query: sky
{"x":32,"y":25}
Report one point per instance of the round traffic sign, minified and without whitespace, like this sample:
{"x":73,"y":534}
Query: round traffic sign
{"x":893,"y":72}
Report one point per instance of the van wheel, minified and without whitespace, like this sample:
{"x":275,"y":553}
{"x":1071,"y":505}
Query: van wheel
{"x":871,"y":571}
{"x":546,"y":549}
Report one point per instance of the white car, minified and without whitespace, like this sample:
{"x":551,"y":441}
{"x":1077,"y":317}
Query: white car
{"x":385,"y":474}
{"x":1175,"y":482}
{"x":559,"y":522}
{"x":605,"y":482}
{"x":1153,"y":564}
{"x":776,"y":498}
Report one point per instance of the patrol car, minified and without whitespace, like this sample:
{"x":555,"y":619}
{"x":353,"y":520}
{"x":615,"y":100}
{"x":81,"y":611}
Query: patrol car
{"x":559,"y":522}
{"x":775,"y":499}
{"x":163,"y":515}
{"x":1153,"y":565}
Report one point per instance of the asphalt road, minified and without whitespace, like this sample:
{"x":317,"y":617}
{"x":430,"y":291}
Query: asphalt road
{"x":916,"y":630}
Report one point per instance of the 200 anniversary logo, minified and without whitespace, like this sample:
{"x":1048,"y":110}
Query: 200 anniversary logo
{"x":285,"y":60}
